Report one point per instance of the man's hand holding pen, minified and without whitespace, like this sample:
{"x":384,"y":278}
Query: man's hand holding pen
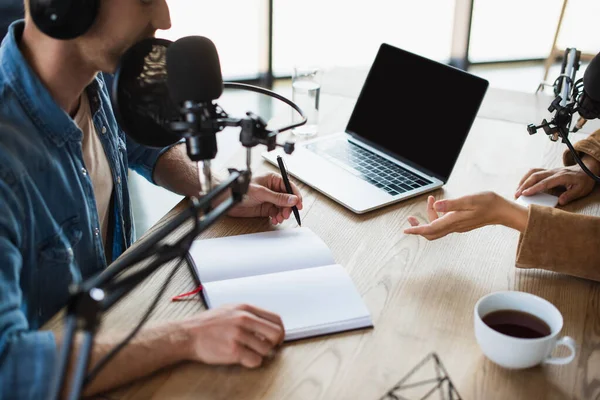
{"x":267,"y":197}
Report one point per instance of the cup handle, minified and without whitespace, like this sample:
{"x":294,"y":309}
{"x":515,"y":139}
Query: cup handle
{"x":567,"y":342}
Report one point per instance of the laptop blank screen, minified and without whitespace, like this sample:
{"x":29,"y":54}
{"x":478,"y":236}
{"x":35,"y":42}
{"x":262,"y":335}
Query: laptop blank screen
{"x":417,"y":109}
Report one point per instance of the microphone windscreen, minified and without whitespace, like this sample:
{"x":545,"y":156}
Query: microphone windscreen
{"x":194,"y":70}
{"x":140,"y":94}
{"x":591,"y":79}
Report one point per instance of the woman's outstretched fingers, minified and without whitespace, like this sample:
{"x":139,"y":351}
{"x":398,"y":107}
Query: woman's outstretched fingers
{"x":416,"y":229}
{"x":413,"y":221}
{"x":430,"y":210}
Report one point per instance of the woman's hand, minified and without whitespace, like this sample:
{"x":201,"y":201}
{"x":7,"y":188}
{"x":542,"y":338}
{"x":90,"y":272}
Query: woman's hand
{"x":467,"y":213}
{"x":576,"y":182}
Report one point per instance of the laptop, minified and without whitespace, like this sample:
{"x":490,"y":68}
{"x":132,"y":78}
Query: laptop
{"x":403,"y":137}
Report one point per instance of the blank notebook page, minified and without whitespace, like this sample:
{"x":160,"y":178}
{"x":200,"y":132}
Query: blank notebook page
{"x":258,"y":253}
{"x":310,"y":301}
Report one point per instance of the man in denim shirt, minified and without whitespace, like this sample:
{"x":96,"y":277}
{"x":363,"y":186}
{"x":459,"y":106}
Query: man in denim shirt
{"x":54,"y":108}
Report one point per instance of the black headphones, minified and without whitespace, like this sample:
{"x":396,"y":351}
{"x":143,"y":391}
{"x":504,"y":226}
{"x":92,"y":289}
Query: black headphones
{"x":64,"y":19}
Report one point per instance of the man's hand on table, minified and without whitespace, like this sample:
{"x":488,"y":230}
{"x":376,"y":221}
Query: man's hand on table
{"x":236,"y":334}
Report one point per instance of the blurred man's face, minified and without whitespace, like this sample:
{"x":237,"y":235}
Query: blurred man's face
{"x":119,"y":25}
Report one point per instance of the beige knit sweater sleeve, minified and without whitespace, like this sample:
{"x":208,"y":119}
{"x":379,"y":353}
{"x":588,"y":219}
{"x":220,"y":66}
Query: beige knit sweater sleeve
{"x":561,"y":241}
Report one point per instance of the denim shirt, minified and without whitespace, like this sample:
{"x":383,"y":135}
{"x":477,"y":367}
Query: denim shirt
{"x":49,"y":226}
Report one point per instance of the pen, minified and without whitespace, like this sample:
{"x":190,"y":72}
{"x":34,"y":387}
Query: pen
{"x":288,"y":187}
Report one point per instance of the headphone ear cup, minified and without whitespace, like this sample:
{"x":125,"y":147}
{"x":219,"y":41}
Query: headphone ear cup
{"x":64,"y":19}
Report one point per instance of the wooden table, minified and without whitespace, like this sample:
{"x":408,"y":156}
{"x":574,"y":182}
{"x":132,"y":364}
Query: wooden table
{"x":421,"y":294}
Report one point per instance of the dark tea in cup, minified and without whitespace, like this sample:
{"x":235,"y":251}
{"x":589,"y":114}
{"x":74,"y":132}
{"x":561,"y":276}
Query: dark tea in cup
{"x":518,"y":324}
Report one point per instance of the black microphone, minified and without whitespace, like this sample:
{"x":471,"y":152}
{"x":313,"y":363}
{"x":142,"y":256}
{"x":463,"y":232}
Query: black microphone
{"x":589,"y":99}
{"x":591,"y":79}
{"x":163,"y":92}
{"x":194,"y":70}
{"x":140,"y":96}
{"x":194,"y":80}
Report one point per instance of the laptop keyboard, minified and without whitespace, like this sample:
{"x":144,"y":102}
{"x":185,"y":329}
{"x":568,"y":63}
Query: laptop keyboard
{"x":368,"y":166}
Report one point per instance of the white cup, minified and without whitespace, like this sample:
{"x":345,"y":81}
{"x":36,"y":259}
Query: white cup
{"x":513,"y":352}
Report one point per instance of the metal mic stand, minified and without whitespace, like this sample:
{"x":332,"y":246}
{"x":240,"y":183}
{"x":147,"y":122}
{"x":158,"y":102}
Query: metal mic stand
{"x":91,"y":298}
{"x":567,"y":92}
{"x":564,"y":104}
{"x":204,"y":120}
{"x":98,"y":294}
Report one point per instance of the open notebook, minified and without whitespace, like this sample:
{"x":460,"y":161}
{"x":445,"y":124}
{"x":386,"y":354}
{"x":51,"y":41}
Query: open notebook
{"x":290,"y":272}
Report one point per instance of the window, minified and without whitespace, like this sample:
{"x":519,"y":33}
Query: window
{"x":516,"y":29}
{"x":347,"y":33}
{"x":236,"y":27}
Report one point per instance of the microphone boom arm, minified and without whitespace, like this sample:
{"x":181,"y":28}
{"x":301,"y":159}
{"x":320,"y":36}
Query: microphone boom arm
{"x":100,"y":293}
{"x":565,"y":105}
{"x":144,"y":103}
